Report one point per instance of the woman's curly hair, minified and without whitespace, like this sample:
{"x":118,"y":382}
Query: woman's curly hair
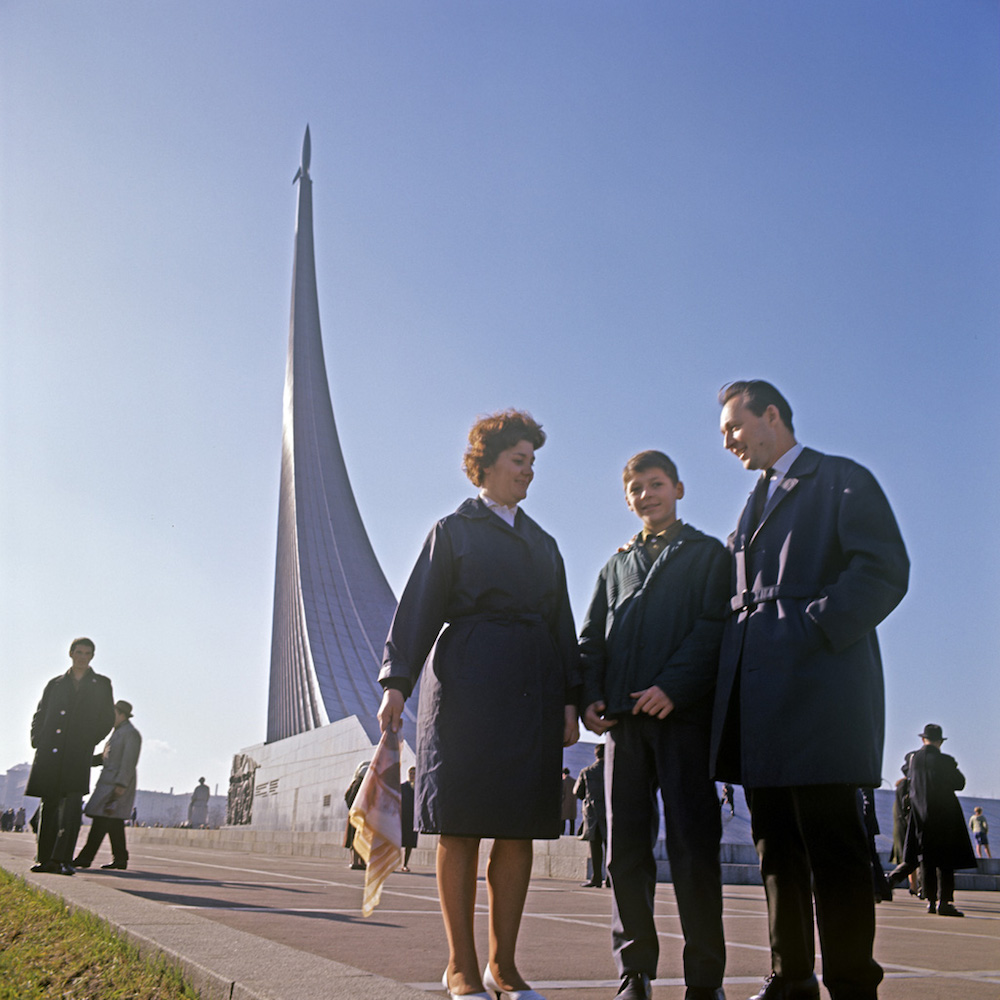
{"x":495,"y":433}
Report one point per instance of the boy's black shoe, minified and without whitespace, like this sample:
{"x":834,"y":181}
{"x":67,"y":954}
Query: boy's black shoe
{"x":778,"y":988}
{"x":635,"y":986}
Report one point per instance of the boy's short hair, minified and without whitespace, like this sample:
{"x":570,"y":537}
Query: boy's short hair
{"x":82,"y":641}
{"x":649,"y":460}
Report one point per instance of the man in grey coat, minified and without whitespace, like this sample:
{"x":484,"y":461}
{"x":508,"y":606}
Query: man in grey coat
{"x":799,"y":707}
{"x":114,"y":795}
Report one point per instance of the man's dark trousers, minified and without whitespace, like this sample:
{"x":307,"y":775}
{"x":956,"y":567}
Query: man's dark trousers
{"x":58,"y":827}
{"x":929,"y":870}
{"x":115,"y":829}
{"x":597,"y":859}
{"x":643,"y":753}
{"x":811,"y":841}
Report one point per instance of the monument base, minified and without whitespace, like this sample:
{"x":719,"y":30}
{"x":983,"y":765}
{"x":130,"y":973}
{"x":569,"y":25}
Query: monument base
{"x":298,"y":783}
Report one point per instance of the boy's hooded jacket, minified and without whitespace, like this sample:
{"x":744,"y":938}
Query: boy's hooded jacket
{"x":657,"y":624}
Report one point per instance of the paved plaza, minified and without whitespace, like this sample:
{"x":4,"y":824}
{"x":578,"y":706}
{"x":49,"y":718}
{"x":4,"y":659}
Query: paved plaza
{"x":252,"y":925}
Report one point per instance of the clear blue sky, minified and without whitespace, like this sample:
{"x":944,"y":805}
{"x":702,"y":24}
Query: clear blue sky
{"x":597,"y":211}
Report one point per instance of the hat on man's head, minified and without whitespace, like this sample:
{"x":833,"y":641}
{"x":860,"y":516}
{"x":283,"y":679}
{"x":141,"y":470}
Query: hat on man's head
{"x":932,"y":732}
{"x":125,"y":708}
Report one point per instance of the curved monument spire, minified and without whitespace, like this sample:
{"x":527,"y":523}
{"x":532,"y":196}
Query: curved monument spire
{"x":303,"y":170}
{"x":332,"y":603}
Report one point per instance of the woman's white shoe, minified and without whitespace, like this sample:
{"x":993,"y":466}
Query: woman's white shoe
{"x":461,"y":996}
{"x":491,"y":984}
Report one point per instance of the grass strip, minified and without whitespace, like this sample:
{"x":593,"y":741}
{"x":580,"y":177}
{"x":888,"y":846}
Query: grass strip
{"x":48,"y":951}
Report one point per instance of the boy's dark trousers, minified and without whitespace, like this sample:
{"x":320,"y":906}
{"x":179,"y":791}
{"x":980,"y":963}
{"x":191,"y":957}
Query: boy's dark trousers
{"x":644,"y":753}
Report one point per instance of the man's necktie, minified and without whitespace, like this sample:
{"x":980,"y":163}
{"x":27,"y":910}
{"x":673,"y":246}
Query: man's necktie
{"x":759,"y":499}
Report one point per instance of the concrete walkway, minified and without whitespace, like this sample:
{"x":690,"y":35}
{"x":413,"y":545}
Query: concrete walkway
{"x":259,"y":926}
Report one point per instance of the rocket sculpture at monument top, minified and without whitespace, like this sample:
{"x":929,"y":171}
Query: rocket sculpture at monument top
{"x":332,"y":603}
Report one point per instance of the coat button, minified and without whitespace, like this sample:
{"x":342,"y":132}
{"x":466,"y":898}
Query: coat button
{"x":55,"y":749}
{"x":63,"y":712}
{"x":58,"y":731}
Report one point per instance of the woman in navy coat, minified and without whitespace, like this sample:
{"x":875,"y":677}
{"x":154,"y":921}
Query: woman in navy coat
{"x":487,"y":602}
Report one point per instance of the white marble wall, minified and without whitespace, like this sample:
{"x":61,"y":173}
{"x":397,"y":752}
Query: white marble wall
{"x":301,"y":780}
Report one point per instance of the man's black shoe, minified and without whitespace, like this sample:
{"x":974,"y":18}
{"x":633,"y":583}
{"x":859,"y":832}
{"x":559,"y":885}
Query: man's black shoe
{"x":778,"y":988}
{"x":51,"y":868}
{"x":948,"y":910}
{"x":704,"y":993}
{"x":116,"y":865}
{"x":635,"y":986}
{"x":590,"y":885}
{"x":931,"y":906}
{"x":80,"y":863}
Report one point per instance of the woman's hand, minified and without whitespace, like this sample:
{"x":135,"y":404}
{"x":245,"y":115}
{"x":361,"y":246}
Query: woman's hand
{"x":571,"y":729}
{"x":390,"y":712}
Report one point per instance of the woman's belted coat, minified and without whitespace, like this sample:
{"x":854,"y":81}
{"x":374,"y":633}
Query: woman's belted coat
{"x":488,"y":603}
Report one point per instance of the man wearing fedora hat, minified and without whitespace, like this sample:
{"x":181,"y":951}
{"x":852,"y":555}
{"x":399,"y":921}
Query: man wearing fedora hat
{"x":114,"y":793}
{"x":935,"y":834}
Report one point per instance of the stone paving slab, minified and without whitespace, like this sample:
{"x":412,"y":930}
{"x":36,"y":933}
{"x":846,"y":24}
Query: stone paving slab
{"x":289,"y":928}
{"x":220,"y":962}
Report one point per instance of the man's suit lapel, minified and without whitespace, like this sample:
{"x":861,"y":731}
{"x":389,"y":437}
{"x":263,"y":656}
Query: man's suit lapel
{"x":804,"y":465}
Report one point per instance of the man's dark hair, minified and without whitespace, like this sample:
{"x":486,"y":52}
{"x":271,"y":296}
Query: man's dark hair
{"x":649,"y":460}
{"x":82,"y":641}
{"x":758,"y":395}
{"x":599,"y":750}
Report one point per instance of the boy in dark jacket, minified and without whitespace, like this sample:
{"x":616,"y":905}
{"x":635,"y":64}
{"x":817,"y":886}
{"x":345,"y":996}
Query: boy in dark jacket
{"x":650,"y":649}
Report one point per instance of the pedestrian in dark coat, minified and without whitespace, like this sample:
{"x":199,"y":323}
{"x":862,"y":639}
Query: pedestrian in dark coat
{"x":410,"y":836}
{"x":589,"y":788}
{"x":936,"y":836}
{"x":487,"y":603}
{"x":818,"y":563}
{"x":357,"y":862}
{"x":77,"y":711}
{"x":568,"y":802}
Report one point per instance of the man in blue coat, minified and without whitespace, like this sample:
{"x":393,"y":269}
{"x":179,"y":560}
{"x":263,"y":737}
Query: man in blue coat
{"x":799,"y":706}
{"x":649,"y":653}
